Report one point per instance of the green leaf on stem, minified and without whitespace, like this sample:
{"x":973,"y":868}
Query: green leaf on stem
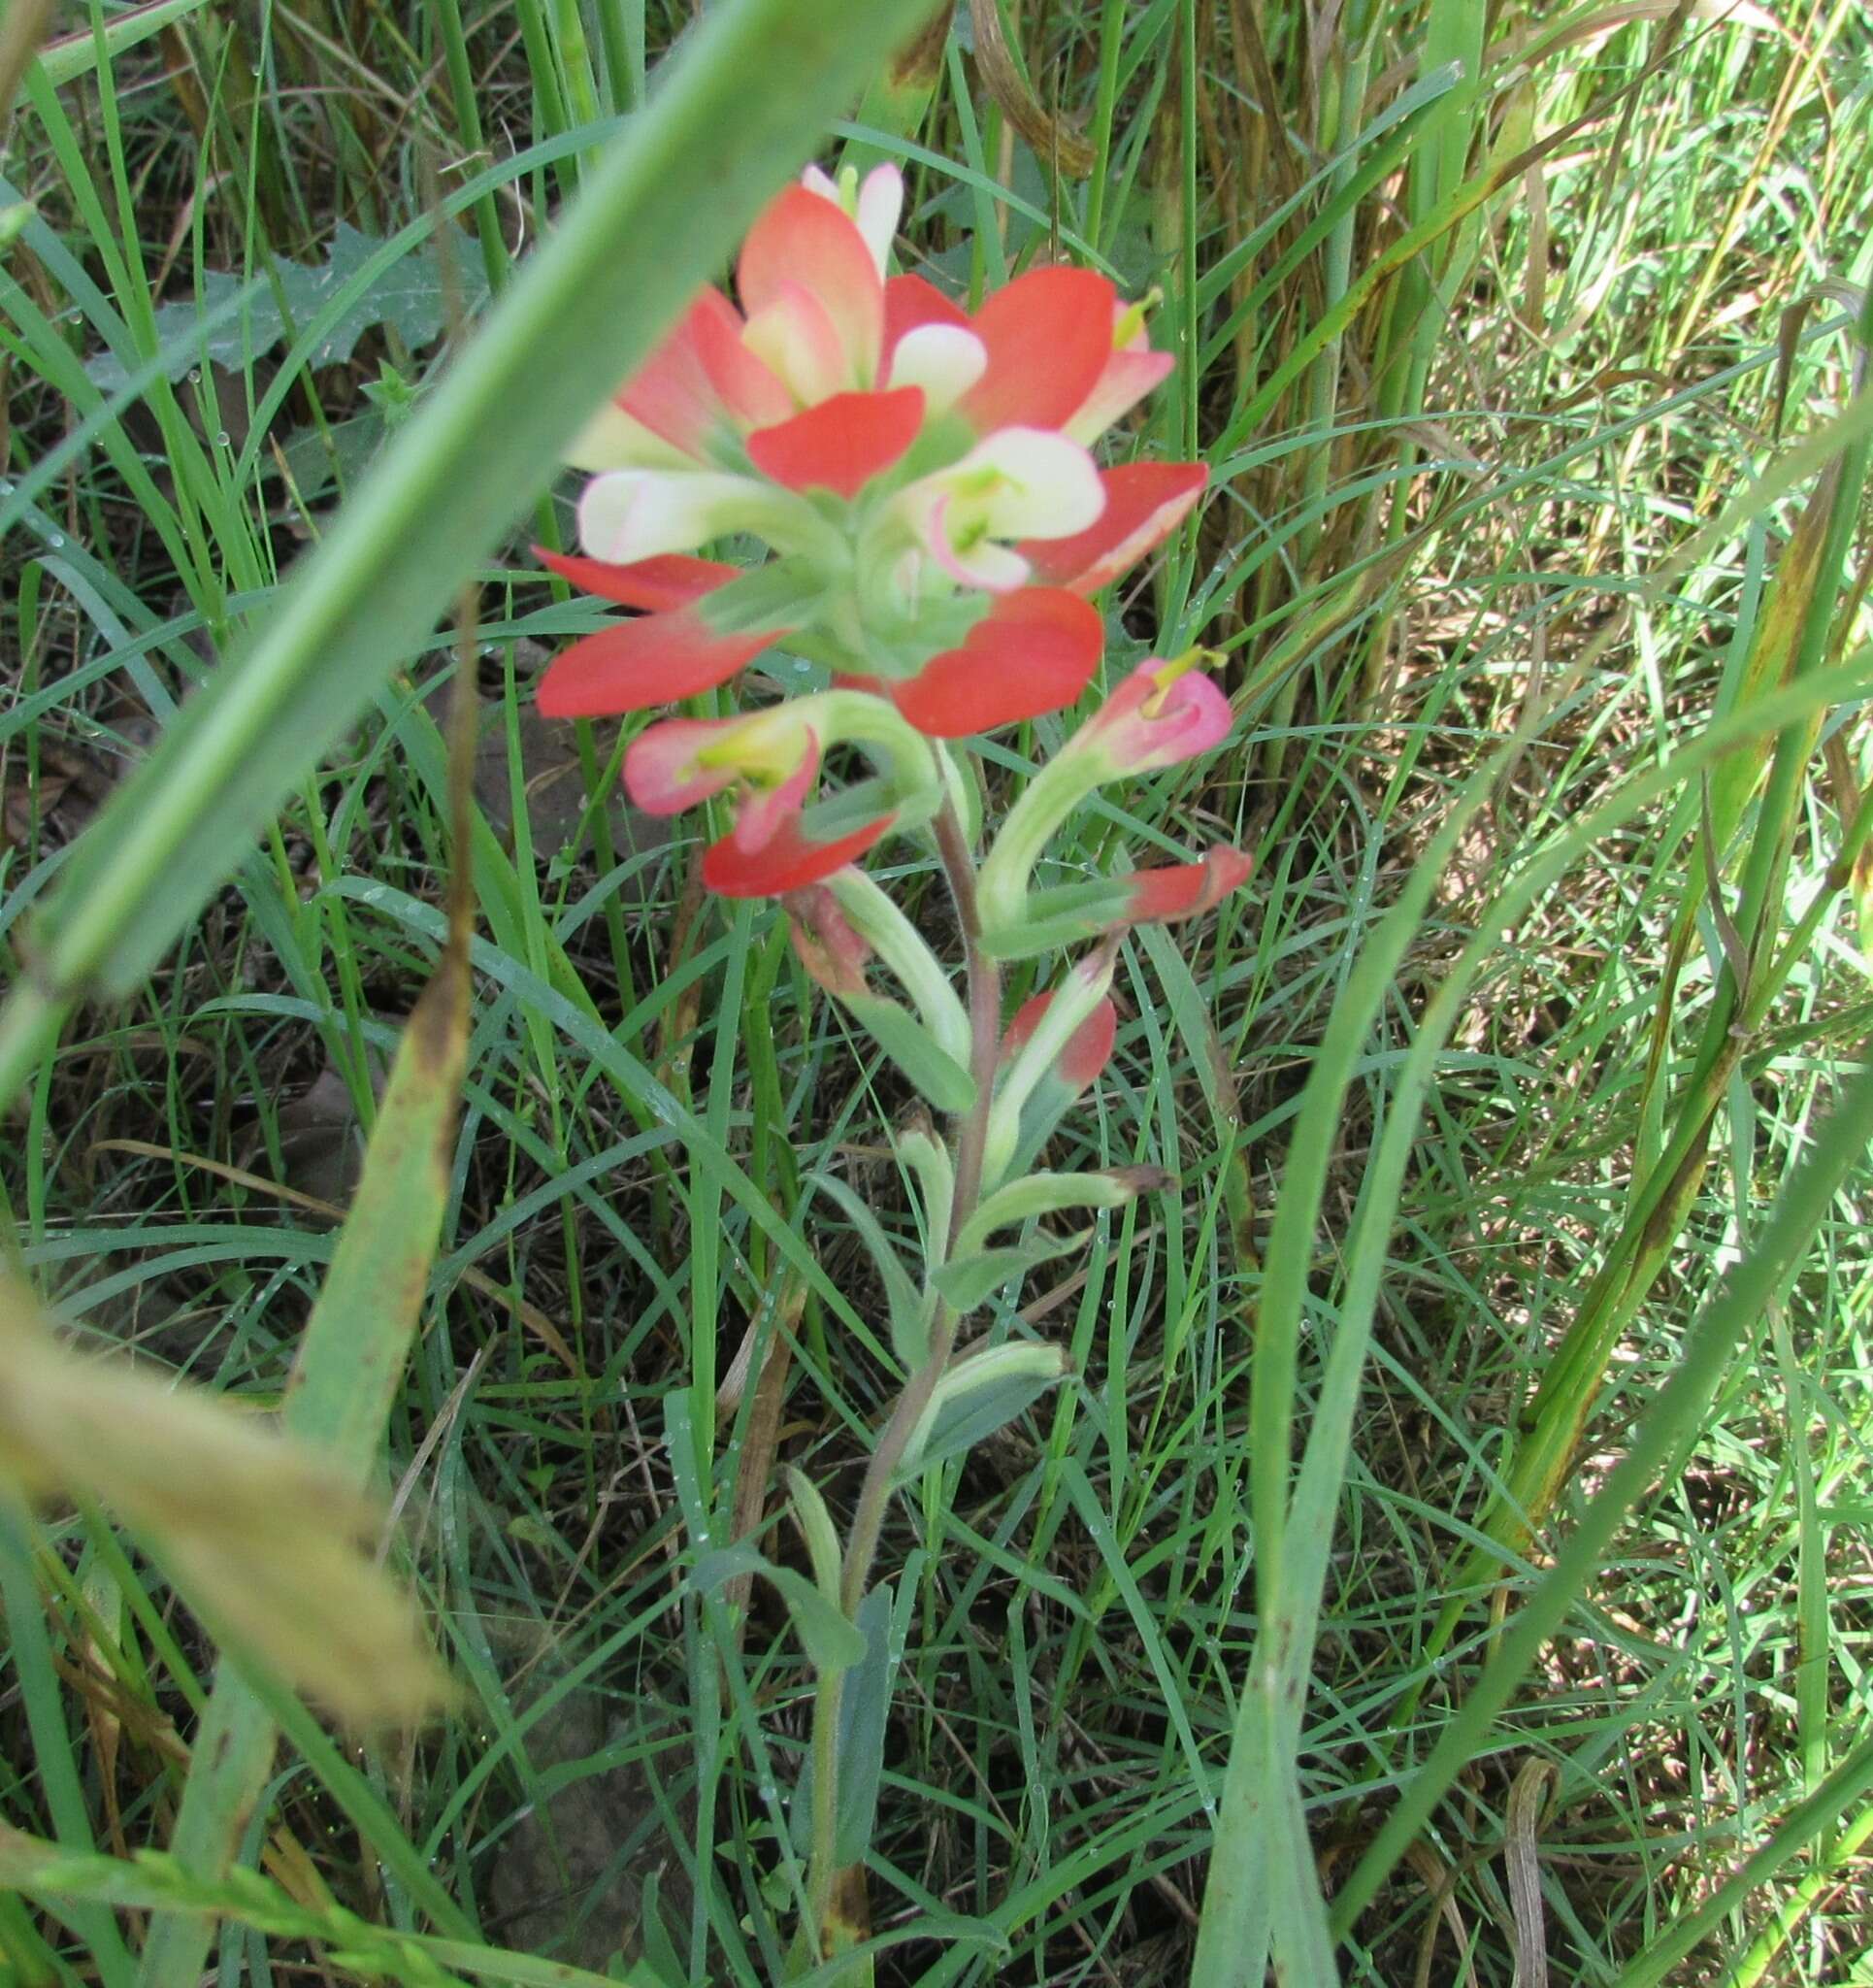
{"x":831,"y":1643}
{"x":910,"y":1046}
{"x":978,"y":1395}
{"x":816,"y":1528}
{"x":1058,"y":918}
{"x":864,"y":1701}
{"x":908,"y":1308}
{"x":924,"y":1154}
{"x":967,"y":1281}
{"x":1046,"y":1194}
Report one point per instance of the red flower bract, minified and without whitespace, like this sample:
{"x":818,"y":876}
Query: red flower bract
{"x":786,"y":861}
{"x":1185,"y":890}
{"x":1145,"y":502}
{"x":841,"y":445}
{"x":1048,"y":335}
{"x":1033,"y":652}
{"x":895,"y":452}
{"x":1088,"y":1050}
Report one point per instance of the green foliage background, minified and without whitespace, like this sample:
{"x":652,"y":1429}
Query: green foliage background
{"x":1519,"y":1270}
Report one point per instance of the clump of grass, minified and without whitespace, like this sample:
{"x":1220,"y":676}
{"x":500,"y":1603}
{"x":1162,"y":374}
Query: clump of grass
{"x":1519,"y":349}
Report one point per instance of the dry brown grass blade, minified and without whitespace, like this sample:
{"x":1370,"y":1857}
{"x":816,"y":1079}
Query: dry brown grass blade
{"x":22,"y":27}
{"x":1527,"y":1798}
{"x":261,"y":1535}
{"x":919,"y":63}
{"x":761,"y":1443}
{"x":1440,"y":1881}
{"x":1055,"y":142}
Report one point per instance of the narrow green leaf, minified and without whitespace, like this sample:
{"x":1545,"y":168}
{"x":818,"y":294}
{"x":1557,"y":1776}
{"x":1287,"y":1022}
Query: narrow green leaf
{"x":978,"y":1395}
{"x":910,"y":1046}
{"x":919,"y":1150}
{"x":831,"y":1643}
{"x":71,"y":57}
{"x":909,"y":1312}
{"x":967,"y":1281}
{"x":152,"y":1881}
{"x":816,"y":1528}
{"x":1046,"y":1194}
{"x":1755,"y":1285}
{"x":865,"y":1700}
{"x":349,"y":1369}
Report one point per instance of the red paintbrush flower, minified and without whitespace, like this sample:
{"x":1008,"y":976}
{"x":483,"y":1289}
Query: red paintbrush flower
{"x":921,"y":475}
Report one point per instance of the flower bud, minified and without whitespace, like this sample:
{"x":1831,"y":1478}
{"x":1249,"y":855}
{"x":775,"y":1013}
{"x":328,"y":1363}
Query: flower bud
{"x":1163,"y":712}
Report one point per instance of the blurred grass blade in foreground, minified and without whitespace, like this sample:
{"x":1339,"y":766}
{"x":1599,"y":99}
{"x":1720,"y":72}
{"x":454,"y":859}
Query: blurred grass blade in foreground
{"x":258,"y":1531}
{"x":349,"y":1369}
{"x":737,"y":110}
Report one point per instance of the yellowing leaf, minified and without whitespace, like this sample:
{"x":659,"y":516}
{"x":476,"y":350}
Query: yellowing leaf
{"x":262,"y":1538}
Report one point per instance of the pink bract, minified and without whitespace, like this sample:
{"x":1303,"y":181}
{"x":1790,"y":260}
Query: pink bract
{"x":1088,"y":1050}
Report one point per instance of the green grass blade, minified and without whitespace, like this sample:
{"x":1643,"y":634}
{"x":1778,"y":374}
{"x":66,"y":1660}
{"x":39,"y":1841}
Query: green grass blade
{"x":349,"y":1369}
{"x":1293,"y":1538}
{"x":1757,"y":1282}
{"x":73,"y":55}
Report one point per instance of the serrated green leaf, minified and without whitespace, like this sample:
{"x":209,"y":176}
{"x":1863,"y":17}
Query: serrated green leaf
{"x":406,"y":295}
{"x":318,"y":458}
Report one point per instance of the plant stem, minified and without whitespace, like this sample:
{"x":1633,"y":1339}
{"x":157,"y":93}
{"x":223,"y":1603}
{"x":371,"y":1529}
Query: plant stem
{"x":874,"y":1494}
{"x":971,"y":1137}
{"x":823,"y":1866}
{"x":985,"y":1018}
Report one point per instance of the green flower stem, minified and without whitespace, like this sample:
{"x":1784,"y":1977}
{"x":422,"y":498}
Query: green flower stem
{"x":823,"y":1866}
{"x":859,"y":717}
{"x":867,"y":1520}
{"x":985,"y":1016}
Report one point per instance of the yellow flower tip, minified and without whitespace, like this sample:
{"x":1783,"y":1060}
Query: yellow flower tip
{"x":765,"y":750}
{"x":1131,"y":322}
{"x":848,"y":189}
{"x":1167,"y":672}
